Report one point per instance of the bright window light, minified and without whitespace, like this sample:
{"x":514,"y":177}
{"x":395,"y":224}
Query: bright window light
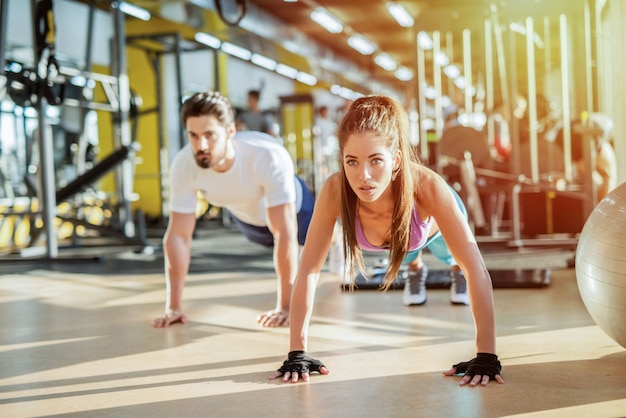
{"x":287,"y":71}
{"x":208,"y":40}
{"x":263,"y":61}
{"x":402,"y":16}
{"x":306,"y":78}
{"x":344,"y":92}
{"x":236,"y":51}
{"x":329,"y":22}
{"x":361,"y":44}
{"x":404,"y":74}
{"x":384,"y":61}
{"x":134,"y":11}
{"x":424,"y":41}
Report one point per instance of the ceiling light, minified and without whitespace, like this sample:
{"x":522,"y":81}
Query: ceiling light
{"x":306,"y":78}
{"x":424,"y":41}
{"x":287,"y":71}
{"x":134,"y":11}
{"x":384,"y":61}
{"x":236,"y":51}
{"x":329,"y":22}
{"x":208,"y":40}
{"x":402,"y":16}
{"x":263,"y":61}
{"x":344,"y":92}
{"x":404,"y":74}
{"x":361,"y":44}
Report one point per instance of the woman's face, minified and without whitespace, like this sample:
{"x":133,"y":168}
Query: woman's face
{"x":368,"y":165}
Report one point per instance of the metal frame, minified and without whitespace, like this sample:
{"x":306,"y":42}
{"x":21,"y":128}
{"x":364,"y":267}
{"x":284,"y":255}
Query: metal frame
{"x":177,"y":49}
{"x":117,"y":90}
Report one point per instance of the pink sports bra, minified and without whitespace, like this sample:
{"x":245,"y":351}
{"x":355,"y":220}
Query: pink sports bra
{"x":419,"y":234}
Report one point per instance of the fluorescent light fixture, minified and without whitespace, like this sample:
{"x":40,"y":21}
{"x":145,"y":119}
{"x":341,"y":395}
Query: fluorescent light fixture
{"x":208,"y":40}
{"x":384,"y":61}
{"x":134,"y":11}
{"x":287,"y":71}
{"x":361,"y":44}
{"x":402,"y":16}
{"x":452,"y":71}
{"x":236,"y":51}
{"x":263,"y":61}
{"x":329,"y":22}
{"x":424,"y":41}
{"x":404,"y":74}
{"x":306,"y":78}
{"x":344,"y":92}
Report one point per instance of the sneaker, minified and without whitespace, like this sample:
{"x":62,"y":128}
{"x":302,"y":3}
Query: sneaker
{"x":458,"y":290}
{"x":415,"y":287}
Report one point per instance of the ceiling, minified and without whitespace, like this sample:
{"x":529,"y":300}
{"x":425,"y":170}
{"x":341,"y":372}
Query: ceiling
{"x":371,"y":19}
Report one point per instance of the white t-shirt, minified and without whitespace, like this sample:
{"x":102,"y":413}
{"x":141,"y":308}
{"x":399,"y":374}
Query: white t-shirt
{"x":261,"y":177}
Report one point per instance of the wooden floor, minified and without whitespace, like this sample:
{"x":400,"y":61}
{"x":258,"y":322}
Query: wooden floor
{"x":75,"y":340}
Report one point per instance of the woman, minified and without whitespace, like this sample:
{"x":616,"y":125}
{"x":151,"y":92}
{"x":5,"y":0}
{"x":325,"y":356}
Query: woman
{"x":382,"y":186}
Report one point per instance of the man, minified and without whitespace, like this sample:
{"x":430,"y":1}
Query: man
{"x":252,"y":176}
{"x":253,"y":119}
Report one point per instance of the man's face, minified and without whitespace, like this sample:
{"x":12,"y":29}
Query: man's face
{"x":208,"y":139}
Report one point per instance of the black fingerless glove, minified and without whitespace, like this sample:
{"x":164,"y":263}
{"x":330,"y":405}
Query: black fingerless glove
{"x":484,"y":364}
{"x":300,"y":362}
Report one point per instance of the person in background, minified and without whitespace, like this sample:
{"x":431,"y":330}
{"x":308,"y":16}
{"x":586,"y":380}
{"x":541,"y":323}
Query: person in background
{"x":252,"y":118}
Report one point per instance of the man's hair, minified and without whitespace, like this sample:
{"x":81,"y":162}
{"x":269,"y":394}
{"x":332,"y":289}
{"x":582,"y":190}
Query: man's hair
{"x":254,"y":93}
{"x":210,"y":103}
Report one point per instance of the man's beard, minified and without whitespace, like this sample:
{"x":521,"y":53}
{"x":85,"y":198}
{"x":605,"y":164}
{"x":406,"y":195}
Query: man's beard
{"x":203,"y":159}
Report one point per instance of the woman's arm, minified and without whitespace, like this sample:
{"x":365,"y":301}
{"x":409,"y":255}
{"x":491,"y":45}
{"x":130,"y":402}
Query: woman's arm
{"x":440,"y":203}
{"x":462,"y":244}
{"x":311,"y":261}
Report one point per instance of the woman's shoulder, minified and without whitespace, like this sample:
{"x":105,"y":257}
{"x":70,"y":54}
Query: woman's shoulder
{"x":332,"y":184}
{"x":428,"y":184}
{"x":425,"y":176}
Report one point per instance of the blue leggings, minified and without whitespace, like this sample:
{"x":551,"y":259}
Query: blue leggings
{"x":262,"y":235}
{"x":436,"y":243}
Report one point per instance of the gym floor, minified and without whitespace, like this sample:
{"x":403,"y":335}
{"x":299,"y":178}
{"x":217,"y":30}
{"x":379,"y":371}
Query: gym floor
{"x":76,"y":340}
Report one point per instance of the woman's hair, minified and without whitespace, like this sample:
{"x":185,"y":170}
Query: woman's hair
{"x":208,"y":103}
{"x":388,"y":120}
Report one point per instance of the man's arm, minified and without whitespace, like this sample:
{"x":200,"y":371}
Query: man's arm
{"x":177,"y":248}
{"x":282,"y":222}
